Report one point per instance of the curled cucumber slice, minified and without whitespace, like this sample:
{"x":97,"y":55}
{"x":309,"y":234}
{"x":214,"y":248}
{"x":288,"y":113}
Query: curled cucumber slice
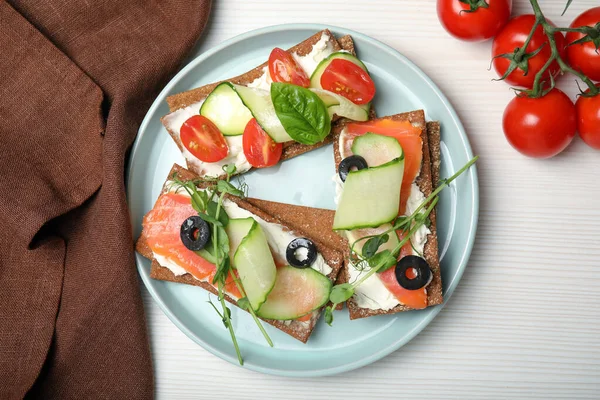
{"x":226,"y":110}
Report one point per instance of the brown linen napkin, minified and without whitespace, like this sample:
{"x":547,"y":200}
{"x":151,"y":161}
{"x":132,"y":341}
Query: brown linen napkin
{"x":76,"y":78}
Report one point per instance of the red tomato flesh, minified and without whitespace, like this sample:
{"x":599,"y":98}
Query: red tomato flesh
{"x":584,"y":56}
{"x":514,"y":35}
{"x":283,"y":68}
{"x":260,"y":150}
{"x":588,"y":119}
{"x":481,"y":24}
{"x":203,"y":139}
{"x":542,"y":127}
{"x":349,"y":80}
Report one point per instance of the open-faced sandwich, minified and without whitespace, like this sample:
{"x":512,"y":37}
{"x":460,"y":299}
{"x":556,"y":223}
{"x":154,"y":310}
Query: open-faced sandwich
{"x":386,"y":170}
{"x":284,"y":274}
{"x":279,"y":261}
{"x":278,"y":110}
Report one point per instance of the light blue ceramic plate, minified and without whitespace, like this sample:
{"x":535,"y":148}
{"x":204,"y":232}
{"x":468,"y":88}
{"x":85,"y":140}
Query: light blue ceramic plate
{"x":306,"y":180}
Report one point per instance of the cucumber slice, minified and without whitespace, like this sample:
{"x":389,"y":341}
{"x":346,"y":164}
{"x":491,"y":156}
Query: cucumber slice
{"x":315,"y":78}
{"x":377,"y":149}
{"x":260,"y":105}
{"x":357,"y":234}
{"x":207,"y":253}
{"x":342,"y":107}
{"x":297,"y":292}
{"x":237,"y":229}
{"x":255,"y":266}
{"x":371,"y":196}
{"x":224,"y":107}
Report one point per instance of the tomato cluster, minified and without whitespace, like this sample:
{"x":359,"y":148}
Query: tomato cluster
{"x":538,"y":123}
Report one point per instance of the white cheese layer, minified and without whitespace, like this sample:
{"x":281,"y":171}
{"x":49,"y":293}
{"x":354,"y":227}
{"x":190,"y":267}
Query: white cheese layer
{"x":320,"y":50}
{"x":372,"y":293}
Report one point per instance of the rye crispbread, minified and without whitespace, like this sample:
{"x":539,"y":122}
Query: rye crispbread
{"x":298,"y":329}
{"x":430,"y":132}
{"x":290,"y":149}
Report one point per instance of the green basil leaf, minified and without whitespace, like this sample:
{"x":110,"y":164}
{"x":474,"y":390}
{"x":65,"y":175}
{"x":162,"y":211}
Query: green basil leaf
{"x":382,"y":261}
{"x":341,"y":293}
{"x":212,"y":211}
{"x":373,"y":244}
{"x":301,"y":112}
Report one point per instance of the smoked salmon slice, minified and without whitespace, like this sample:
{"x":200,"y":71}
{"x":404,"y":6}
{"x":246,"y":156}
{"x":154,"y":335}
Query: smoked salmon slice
{"x":409,"y":138}
{"x":162,"y":229}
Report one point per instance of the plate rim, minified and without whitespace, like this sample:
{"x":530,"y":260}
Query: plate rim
{"x":474,"y":183}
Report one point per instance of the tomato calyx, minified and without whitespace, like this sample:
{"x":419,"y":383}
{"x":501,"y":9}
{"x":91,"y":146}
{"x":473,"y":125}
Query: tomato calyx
{"x":474,"y":5}
{"x":592,"y":34}
{"x":519,"y":58}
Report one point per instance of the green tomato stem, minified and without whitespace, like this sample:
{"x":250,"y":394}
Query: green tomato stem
{"x":549,"y":31}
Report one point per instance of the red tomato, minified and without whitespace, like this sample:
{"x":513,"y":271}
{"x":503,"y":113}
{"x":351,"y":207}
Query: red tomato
{"x":541,"y":127}
{"x":260,"y":150}
{"x":588,"y":119}
{"x":203,"y":139}
{"x":283,"y":68}
{"x":481,"y":24}
{"x":584,"y":57}
{"x":514,"y":35}
{"x":349,"y":80}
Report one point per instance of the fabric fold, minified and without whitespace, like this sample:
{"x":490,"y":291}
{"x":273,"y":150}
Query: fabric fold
{"x":75,"y":82}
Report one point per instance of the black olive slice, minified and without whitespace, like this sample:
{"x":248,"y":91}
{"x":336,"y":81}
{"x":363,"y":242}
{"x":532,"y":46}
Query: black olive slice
{"x":421,"y":271}
{"x":194,"y":233}
{"x":348,"y":163}
{"x":301,"y":261}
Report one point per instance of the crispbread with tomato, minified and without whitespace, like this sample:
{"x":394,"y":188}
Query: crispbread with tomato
{"x":161,"y":242}
{"x":383,"y":293}
{"x":239,"y":122}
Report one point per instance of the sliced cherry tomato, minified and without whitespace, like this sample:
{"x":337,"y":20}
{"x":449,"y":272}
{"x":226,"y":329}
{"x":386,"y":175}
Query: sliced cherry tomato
{"x":584,"y":56}
{"x":260,"y":150}
{"x":349,"y":80}
{"x":483,"y":23}
{"x":203,"y":139}
{"x":588,"y":119}
{"x":541,"y":127}
{"x":514,"y":35}
{"x":283,"y":68}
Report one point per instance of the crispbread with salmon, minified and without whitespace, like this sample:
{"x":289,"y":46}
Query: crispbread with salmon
{"x":430,"y":135}
{"x":298,"y":329}
{"x":290,"y":149}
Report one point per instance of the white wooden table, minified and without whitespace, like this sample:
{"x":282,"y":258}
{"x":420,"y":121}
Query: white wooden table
{"x":525,"y":319}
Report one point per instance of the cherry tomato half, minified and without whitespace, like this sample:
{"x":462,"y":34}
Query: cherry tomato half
{"x":514,"y":35}
{"x":541,"y":127}
{"x":584,"y":56}
{"x":349,"y":80}
{"x":260,"y":150}
{"x":203,"y":139}
{"x":283,"y":68}
{"x":474,"y":26}
{"x":588,"y":119}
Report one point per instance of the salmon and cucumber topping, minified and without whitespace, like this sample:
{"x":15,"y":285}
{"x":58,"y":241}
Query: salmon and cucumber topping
{"x":280,"y":109}
{"x":386,"y":209}
{"x":205,"y":232}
